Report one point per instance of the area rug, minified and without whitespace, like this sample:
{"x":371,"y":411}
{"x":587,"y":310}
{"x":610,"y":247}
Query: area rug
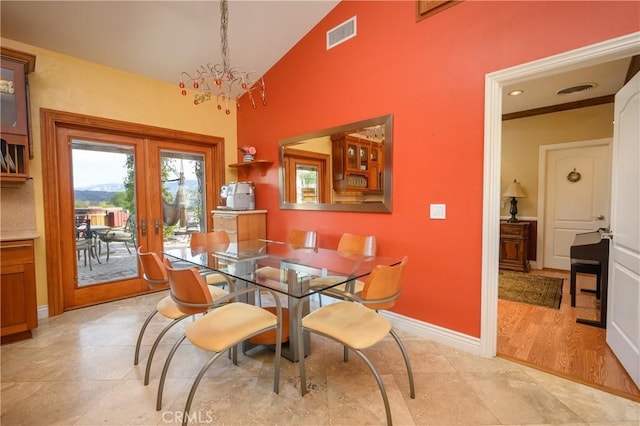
{"x":531,"y":289}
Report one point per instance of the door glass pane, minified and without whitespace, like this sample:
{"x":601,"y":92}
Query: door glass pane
{"x":8,"y":98}
{"x":307,"y":186}
{"x":364,"y":156}
{"x":352,"y":162}
{"x":183,"y":196}
{"x":104,"y":212}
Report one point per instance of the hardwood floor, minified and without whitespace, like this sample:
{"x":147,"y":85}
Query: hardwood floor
{"x":551,"y":340}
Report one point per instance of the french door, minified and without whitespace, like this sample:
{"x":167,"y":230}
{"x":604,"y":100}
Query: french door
{"x":307,"y":177}
{"x":114,"y":190}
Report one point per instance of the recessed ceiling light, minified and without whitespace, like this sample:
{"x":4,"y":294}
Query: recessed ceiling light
{"x":576,"y":88}
{"x":515,"y":92}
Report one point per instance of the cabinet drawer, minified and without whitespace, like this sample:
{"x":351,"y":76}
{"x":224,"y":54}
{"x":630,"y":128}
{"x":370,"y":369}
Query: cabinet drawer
{"x":227,"y":223}
{"x":241,"y":226}
{"x":514,"y":230}
{"x":16,"y":252}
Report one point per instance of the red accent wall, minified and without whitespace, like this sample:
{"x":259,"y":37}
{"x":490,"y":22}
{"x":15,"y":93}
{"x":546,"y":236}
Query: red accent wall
{"x":430,"y":75}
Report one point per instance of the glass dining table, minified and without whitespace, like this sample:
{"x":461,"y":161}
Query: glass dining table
{"x":296,"y":273}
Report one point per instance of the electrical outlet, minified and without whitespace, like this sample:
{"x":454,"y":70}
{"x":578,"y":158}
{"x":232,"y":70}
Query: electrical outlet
{"x":438,"y":211}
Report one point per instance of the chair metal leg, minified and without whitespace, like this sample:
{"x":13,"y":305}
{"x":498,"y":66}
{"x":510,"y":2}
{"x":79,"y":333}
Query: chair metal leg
{"x":147,"y":371}
{"x":234,"y":354}
{"x":163,"y":376}
{"x":380,"y":384}
{"x":383,"y":392}
{"x":196,"y":382}
{"x":94,"y":253}
{"x":139,"y":342}
{"x":87,"y":255}
{"x":405,"y":355}
{"x":203,"y":370}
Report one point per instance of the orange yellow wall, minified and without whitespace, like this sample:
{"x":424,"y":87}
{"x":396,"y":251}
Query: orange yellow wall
{"x":430,"y":75}
{"x":64,"y":83}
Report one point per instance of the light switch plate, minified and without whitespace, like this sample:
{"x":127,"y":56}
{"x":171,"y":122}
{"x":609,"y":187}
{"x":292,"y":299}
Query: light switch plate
{"x":438,"y":211}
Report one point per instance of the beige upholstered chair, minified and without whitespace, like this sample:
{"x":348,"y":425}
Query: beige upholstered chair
{"x":349,"y":244}
{"x":155,"y":274}
{"x":222,"y":328}
{"x":357,"y":324}
{"x":202,"y":240}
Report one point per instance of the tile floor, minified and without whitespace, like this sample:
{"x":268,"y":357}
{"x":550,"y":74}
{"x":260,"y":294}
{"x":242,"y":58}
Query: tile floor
{"x":78,"y":370}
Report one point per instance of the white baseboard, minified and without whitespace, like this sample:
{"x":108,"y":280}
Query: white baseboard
{"x":43,"y":311}
{"x":438,"y":334}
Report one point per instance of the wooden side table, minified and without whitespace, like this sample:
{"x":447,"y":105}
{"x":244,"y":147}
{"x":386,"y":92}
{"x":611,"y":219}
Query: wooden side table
{"x":514,"y":246}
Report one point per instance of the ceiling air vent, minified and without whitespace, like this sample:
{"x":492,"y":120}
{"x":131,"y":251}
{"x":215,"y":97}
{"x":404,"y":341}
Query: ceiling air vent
{"x":341,"y":33}
{"x":577,"y":88}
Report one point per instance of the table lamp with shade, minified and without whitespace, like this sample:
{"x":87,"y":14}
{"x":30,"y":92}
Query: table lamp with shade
{"x":514,"y":191}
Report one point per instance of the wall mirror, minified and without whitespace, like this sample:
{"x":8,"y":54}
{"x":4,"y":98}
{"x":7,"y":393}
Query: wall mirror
{"x":344,"y":168}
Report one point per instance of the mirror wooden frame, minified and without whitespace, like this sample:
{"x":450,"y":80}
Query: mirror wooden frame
{"x":383,"y":206}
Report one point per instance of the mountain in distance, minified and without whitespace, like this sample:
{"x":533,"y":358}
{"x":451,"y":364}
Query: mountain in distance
{"x":104,"y":191}
{"x":103,"y":187}
{"x":189,"y":184}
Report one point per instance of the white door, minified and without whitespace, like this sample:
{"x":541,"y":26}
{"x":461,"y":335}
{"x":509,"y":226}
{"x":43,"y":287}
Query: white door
{"x":623,"y":318}
{"x":577,"y":188}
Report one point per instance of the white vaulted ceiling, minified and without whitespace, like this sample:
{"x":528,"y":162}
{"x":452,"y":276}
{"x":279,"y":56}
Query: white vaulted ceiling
{"x":160,"y":39}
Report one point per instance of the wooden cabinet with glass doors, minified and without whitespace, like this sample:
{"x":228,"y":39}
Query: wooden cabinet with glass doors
{"x":14,"y":112}
{"x":356,"y":165}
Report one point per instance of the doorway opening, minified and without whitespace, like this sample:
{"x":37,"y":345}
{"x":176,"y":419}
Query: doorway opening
{"x":607,"y":51}
{"x":610,"y":50}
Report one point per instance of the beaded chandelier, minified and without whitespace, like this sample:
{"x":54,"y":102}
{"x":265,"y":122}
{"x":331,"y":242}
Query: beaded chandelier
{"x":222,"y":81}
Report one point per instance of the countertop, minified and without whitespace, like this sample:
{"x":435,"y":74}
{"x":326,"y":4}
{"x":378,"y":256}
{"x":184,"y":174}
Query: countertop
{"x":238,"y":211}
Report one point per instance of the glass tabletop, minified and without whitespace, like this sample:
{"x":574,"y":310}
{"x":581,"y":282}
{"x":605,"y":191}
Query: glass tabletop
{"x":293,"y":271}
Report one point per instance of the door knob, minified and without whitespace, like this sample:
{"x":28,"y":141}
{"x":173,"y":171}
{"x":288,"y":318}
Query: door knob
{"x":600,"y":217}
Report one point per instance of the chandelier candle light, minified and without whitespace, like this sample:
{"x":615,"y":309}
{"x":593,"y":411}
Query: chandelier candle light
{"x":223,"y":81}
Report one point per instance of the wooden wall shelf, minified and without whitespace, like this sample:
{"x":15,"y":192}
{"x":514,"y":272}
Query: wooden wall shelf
{"x":245,"y":167}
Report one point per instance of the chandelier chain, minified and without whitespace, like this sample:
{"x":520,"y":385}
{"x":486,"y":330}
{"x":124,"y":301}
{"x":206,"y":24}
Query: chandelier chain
{"x":222,"y":81}
{"x":224,"y":41}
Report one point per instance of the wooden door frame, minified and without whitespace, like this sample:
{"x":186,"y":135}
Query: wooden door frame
{"x":296,"y":155}
{"x":608,"y":50}
{"x":51,"y":121}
